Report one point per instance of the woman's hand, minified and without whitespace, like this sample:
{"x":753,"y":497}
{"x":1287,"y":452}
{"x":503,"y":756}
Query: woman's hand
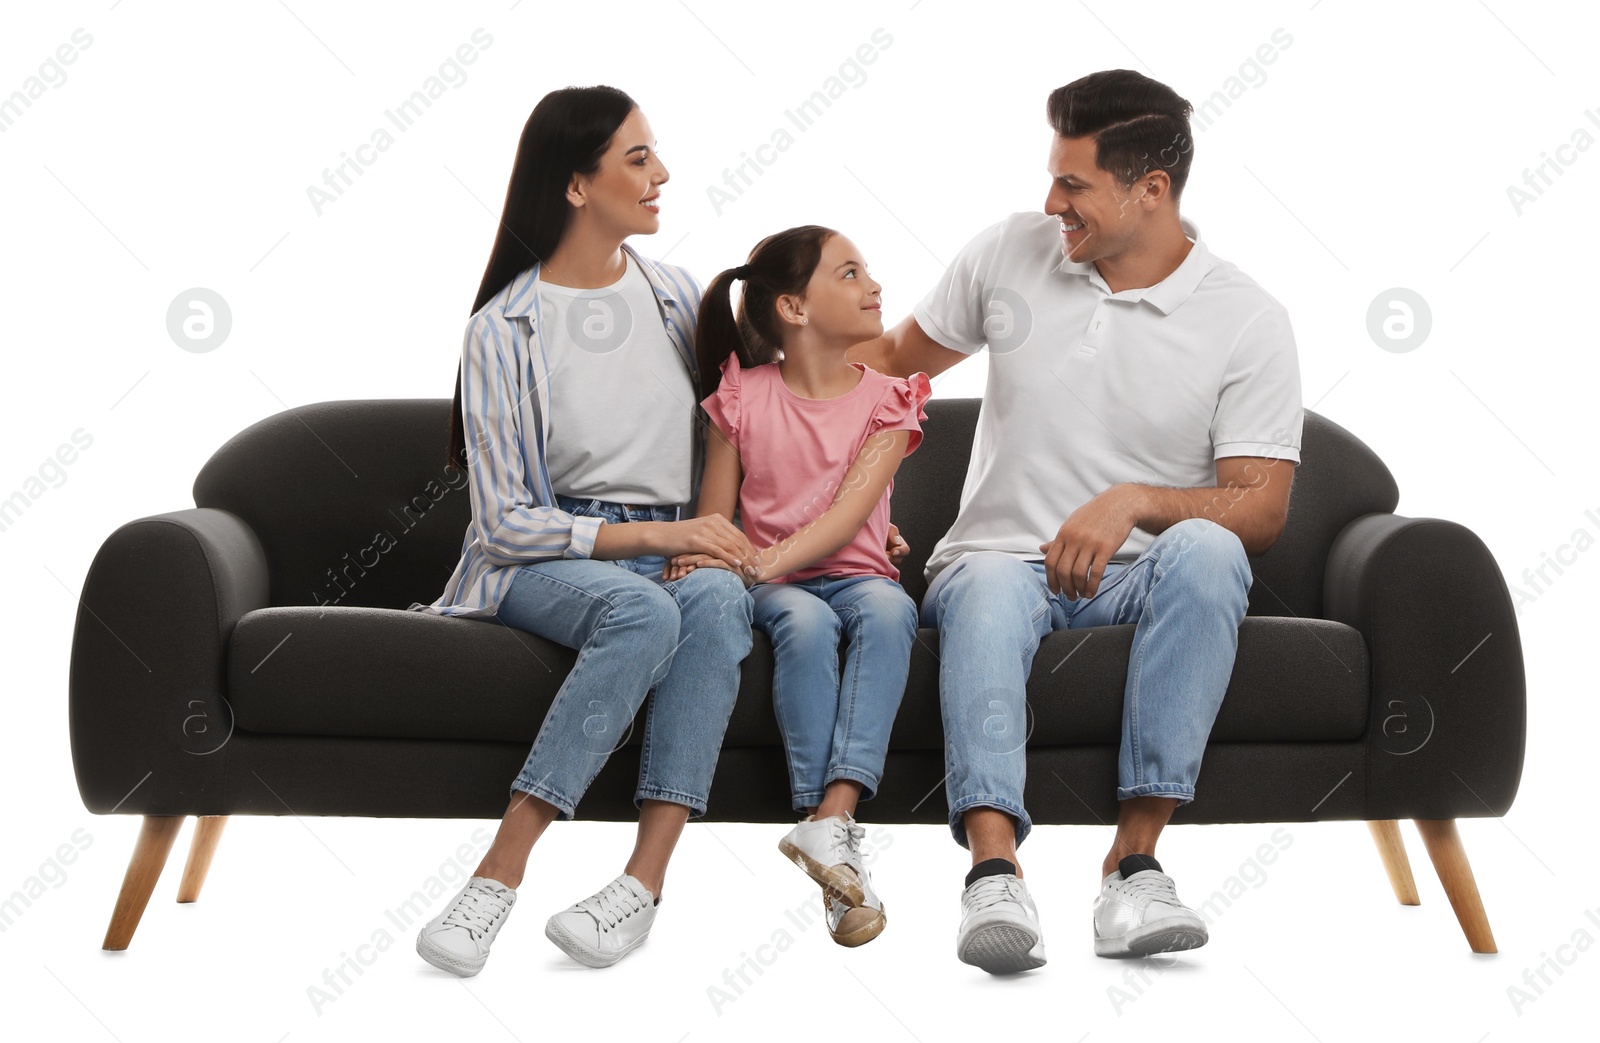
{"x":898,"y":548}
{"x":710,"y":537}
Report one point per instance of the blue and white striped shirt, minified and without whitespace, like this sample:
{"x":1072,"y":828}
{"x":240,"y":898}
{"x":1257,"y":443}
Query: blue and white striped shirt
{"x":505,"y":407}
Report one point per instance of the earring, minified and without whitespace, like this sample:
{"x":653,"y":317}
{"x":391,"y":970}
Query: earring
{"x":804,"y":320}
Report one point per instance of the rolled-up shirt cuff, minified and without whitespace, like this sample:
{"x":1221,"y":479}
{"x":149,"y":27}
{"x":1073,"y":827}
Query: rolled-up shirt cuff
{"x":584,"y":530}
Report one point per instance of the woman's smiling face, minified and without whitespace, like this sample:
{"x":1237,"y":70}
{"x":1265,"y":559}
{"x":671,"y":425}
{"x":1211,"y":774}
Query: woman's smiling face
{"x":622,"y":196}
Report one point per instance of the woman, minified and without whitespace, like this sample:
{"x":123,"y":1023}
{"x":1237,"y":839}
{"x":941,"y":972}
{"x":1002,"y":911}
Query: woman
{"x":574,"y":417}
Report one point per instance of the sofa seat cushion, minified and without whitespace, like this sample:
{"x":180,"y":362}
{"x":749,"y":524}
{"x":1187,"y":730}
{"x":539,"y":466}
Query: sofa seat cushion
{"x":384,"y":673}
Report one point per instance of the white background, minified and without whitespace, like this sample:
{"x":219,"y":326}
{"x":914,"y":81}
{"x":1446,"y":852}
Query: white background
{"x":1375,"y":152}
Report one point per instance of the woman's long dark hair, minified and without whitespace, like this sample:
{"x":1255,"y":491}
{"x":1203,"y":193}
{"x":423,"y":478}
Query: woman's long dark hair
{"x":781,"y":264}
{"x":567,"y":134}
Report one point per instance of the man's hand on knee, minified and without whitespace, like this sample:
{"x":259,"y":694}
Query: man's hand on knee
{"x":1075,"y":561}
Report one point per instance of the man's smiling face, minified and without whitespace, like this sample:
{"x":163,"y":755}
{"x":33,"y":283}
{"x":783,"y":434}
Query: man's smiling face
{"x":1096,"y":215}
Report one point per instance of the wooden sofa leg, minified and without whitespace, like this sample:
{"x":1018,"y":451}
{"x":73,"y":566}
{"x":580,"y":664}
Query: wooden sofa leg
{"x":144,"y":869}
{"x":1455,"y":873}
{"x":203,"y":845}
{"x":1392,"y":849}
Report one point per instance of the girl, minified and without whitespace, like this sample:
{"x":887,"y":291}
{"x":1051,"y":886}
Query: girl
{"x":806,"y":446}
{"x":574,"y":513}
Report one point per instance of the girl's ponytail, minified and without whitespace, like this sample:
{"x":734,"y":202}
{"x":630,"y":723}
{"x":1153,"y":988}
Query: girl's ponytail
{"x":716,"y":332}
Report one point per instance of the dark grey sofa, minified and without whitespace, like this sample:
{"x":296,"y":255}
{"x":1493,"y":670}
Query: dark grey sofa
{"x":252,"y":656}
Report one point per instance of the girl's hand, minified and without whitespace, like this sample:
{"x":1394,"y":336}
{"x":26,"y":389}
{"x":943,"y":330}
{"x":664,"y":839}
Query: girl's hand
{"x":681,"y":565}
{"x":898,"y":548}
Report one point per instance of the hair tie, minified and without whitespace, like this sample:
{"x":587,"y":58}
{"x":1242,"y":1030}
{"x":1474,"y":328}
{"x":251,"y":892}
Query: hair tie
{"x":742,"y":272}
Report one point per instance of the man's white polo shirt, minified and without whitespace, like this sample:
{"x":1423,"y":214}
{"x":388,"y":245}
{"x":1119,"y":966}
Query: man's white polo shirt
{"x":1088,"y":388}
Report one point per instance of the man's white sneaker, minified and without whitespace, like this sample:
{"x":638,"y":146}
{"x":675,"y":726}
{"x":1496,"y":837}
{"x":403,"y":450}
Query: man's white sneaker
{"x":1138,"y":913}
{"x":606,"y":926}
{"x":828,"y":850}
{"x":458,"y":939}
{"x":999,"y":924}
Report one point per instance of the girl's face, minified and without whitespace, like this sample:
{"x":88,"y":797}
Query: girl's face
{"x":622,"y":197}
{"x":841,"y":302}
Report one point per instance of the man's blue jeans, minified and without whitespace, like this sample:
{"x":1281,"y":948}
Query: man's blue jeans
{"x":1187,"y":595}
{"x":680,"y":642}
{"x":835,"y":729}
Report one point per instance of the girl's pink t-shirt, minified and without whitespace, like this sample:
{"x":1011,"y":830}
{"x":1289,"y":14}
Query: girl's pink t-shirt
{"x":796,"y":451}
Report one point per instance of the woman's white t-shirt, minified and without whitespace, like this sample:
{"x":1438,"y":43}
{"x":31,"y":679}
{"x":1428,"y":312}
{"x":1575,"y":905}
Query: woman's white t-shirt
{"x":621,"y":400}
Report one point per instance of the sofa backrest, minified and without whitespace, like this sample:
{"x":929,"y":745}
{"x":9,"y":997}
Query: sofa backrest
{"x":353,"y":505}
{"x":350,"y":499}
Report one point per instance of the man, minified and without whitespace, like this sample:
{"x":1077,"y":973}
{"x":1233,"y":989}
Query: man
{"x":1147,"y":393}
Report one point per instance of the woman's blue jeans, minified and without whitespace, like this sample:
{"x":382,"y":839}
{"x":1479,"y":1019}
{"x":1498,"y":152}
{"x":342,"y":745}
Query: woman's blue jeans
{"x":836,"y":728}
{"x":678,"y":642}
{"x":1187,"y":594}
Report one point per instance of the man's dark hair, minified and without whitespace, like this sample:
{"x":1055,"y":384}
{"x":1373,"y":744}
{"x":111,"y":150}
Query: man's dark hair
{"x":1138,"y":124}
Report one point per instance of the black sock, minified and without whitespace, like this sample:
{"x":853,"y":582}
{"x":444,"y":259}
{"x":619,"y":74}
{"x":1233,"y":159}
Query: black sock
{"x":1136,"y":864}
{"x":990,"y":867}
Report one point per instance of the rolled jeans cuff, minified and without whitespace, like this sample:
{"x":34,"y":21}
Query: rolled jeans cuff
{"x":809,"y":799}
{"x":869,"y":781}
{"x":1184,"y":794}
{"x":958,"y":828}
{"x":696,"y":805}
{"x":564,"y":807}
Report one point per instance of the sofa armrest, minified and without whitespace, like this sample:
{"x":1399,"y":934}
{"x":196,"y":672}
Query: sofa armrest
{"x":147,"y":698}
{"x":1449,"y":706}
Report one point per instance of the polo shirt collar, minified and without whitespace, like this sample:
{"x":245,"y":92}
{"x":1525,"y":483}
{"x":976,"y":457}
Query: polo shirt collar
{"x":520,"y":299}
{"x":1169,"y":292}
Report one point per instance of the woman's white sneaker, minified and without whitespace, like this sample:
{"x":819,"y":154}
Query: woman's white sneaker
{"x":458,"y":939}
{"x":606,"y":926}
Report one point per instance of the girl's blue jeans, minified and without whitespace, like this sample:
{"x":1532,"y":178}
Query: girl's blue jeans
{"x":836,"y":726}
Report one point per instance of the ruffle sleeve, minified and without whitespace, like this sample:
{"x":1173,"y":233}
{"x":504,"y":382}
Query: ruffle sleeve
{"x":900,"y":409}
{"x":722,"y":405}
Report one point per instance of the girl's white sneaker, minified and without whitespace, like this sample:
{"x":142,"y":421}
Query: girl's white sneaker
{"x":854,"y":925}
{"x":828,"y":850}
